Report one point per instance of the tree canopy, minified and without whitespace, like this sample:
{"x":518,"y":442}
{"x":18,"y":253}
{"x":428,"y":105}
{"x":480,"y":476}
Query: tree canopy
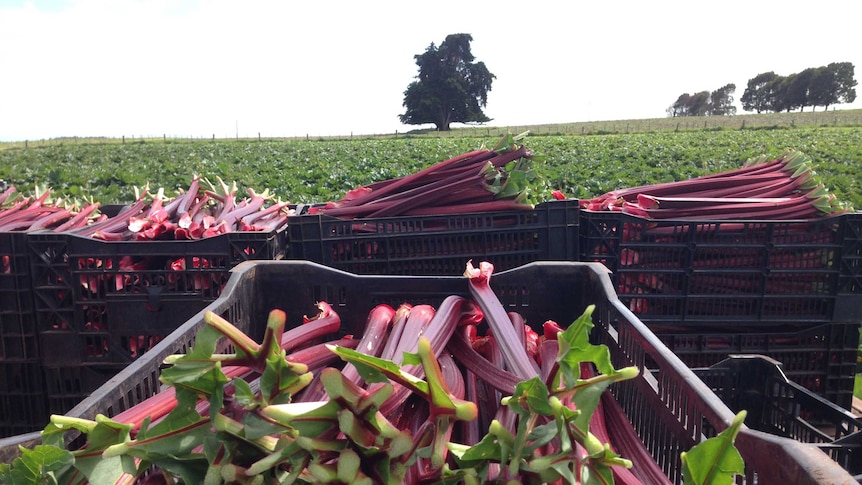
{"x":821,"y":86}
{"x":704,"y":103}
{"x":450,"y":86}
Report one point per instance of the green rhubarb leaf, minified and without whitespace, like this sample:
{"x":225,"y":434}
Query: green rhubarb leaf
{"x":200,"y":377}
{"x":244,"y":395}
{"x":282,"y":379}
{"x":374,"y":369}
{"x":575,"y":348}
{"x":101,"y":434}
{"x":561,"y":464}
{"x":39,"y":465}
{"x":715,"y":461}
{"x":596,"y":473}
{"x":487,"y":449}
{"x":305,"y":418}
{"x":507,"y":143}
{"x":190,"y":469}
{"x":197,"y":371}
{"x":56,"y":429}
{"x":586,"y":400}
{"x":206,"y":340}
{"x":530,"y":397}
{"x":256,"y":427}
{"x":182,"y":430}
{"x":542,"y":435}
{"x":348,"y":469}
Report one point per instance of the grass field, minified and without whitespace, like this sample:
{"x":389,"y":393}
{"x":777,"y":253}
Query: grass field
{"x":316,"y":170}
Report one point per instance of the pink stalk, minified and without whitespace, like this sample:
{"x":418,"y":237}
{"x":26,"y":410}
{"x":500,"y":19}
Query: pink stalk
{"x":114,"y":224}
{"x":9,"y":213}
{"x":26,"y":217}
{"x":269,"y":224}
{"x":517,"y":359}
{"x":7,"y":193}
{"x":373,"y":340}
{"x":397,"y":329}
{"x":51,"y":219}
{"x":188,"y":199}
{"x":770,"y":166}
{"x":403,"y":181}
{"x":78,"y":219}
{"x":189,"y":216}
{"x":502,"y":380}
{"x":270,"y":211}
{"x":326,"y":322}
{"x":253,"y":205}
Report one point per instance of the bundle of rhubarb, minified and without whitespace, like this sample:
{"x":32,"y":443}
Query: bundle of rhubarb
{"x":418,"y":397}
{"x":195,"y":213}
{"x":477,"y":181}
{"x":41,"y":212}
{"x":764,"y":188}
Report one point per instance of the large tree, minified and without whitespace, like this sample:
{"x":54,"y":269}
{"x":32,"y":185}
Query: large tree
{"x":796,"y":95}
{"x":721,"y":101}
{"x":845,"y":84}
{"x":821,"y":90}
{"x":758,"y":94}
{"x":450,"y":87}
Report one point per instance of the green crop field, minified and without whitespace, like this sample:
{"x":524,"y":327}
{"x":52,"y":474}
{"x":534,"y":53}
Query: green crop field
{"x":581,"y":162}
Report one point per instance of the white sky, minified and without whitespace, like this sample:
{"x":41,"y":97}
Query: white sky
{"x":200,"y":68}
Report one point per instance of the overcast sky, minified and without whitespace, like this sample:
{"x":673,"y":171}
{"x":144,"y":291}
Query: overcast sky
{"x":200,"y":68}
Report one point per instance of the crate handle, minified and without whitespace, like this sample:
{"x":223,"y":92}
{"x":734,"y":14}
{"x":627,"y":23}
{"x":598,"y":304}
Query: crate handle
{"x":154,"y":298}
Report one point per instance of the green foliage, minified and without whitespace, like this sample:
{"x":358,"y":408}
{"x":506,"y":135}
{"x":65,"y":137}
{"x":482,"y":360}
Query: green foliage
{"x":450,"y":87}
{"x":319,"y":171}
{"x":715,"y":461}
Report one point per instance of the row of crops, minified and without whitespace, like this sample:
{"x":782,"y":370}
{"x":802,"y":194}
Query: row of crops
{"x":317,"y":170}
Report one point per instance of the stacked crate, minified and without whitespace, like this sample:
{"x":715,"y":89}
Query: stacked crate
{"x":439,"y":244}
{"x":76,"y":310}
{"x":22,"y":407}
{"x":787,"y":289}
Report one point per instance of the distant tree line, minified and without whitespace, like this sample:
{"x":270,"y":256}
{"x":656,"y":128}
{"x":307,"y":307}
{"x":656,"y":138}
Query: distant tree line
{"x":705,"y":103}
{"x":815,"y":86}
{"x":820,"y":86}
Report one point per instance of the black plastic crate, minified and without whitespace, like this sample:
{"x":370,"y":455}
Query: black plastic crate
{"x":437,"y":245}
{"x":850,"y":279}
{"x":110,"y":302}
{"x":67,"y":386}
{"x":777,"y":405}
{"x":751,"y":272}
{"x":22,"y":398}
{"x":670,"y":408}
{"x":820,"y":357}
{"x":18,"y":334}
